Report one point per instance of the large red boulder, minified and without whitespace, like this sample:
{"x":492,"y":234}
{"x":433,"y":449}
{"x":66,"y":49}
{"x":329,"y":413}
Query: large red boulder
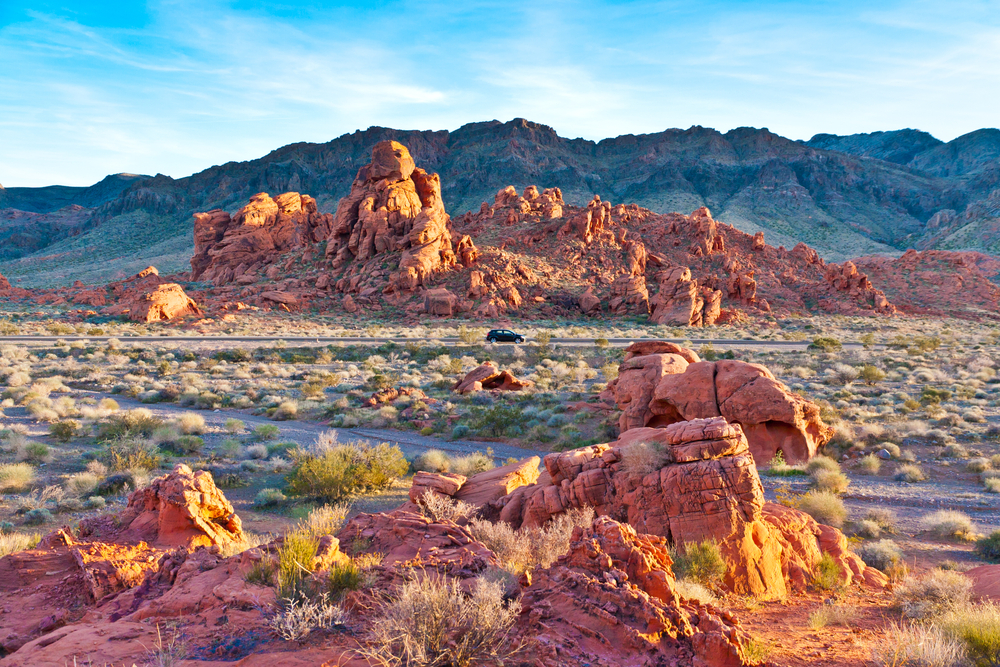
{"x":658,"y":387}
{"x":488,"y":376}
{"x":146,"y":297}
{"x":694,"y":481}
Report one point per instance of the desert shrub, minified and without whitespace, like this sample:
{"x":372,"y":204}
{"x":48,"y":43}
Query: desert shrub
{"x":871,"y":375}
{"x":692,"y":590}
{"x":138,"y":422}
{"x":299,"y":617}
{"x":191,"y":423}
{"x":609,"y":371}
{"x":992,"y":484}
{"x":343,"y":577}
{"x":95,"y":503}
{"x":470,"y":464}
{"x":824,"y":463}
{"x":433,"y":460}
{"x":827,"y":574}
{"x":11,"y":543}
{"x":978,"y":464}
{"x":65,"y":430}
{"x":233,"y":426}
{"x":186,"y":445}
{"x":978,"y":629}
{"x":460,"y":431}
{"x":496,"y":420}
{"x":16,"y":477}
{"x":934,"y":593}
{"x":269,"y":498}
{"x":286,"y":410}
{"x":832,"y":614}
{"x":430,"y":621}
{"x":642,"y":458}
{"x":326,"y":519}
{"x":522,"y":549}
{"x":443,"y":508}
{"x":910,"y":473}
{"x":257,"y":452}
{"x":779,"y":468}
{"x":701,"y":562}
{"x":917,"y":645}
{"x":824,"y":506}
{"x":82,"y":483}
{"x":826,"y":344}
{"x":37,"y":517}
{"x":869,"y":529}
{"x":955,"y":451}
{"x":870,"y":464}
{"x":265,"y":432}
{"x":881,"y":555}
{"x":295,"y":559}
{"x":827,"y":480}
{"x":129,"y":452}
{"x":33,"y":452}
{"x":885,"y":519}
{"x":346,"y":469}
{"x":948,"y":524}
{"x":988,"y":547}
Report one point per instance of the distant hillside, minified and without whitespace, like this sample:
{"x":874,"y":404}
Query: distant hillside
{"x":846,"y":196}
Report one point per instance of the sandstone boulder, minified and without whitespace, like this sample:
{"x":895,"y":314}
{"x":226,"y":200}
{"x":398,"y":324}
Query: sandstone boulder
{"x":488,"y":376}
{"x":661,"y":388}
{"x":440,"y":483}
{"x":589,"y":302}
{"x":146,"y":297}
{"x":688,"y":482}
{"x":183,"y":508}
{"x":440,"y":302}
{"x":490,"y":485}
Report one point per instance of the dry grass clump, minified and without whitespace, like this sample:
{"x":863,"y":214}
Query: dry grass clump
{"x":883,"y":555}
{"x":430,"y":622}
{"x":327,"y":519}
{"x":910,"y":474}
{"x":700,"y":562}
{"x":829,"y":480}
{"x":824,"y":506}
{"x":870,"y":464}
{"x":300,"y":617}
{"x":642,"y":458}
{"x":933,"y":594}
{"x":692,"y":590}
{"x":16,"y":477}
{"x":11,"y":543}
{"x":470,"y":464}
{"x":978,"y":464}
{"x":917,"y":645}
{"x":522,"y":549}
{"x":443,"y":508}
{"x":949,"y":524}
{"x":191,"y":423}
{"x":832,"y":614}
{"x":433,"y":460}
{"x":977,"y":627}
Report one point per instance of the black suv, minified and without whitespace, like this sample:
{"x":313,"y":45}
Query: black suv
{"x":503,"y":336}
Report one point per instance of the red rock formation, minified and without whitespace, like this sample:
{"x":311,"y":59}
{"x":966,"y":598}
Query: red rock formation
{"x":611,"y":601}
{"x":488,"y":376}
{"x":148,"y":298}
{"x":239,"y":249}
{"x":703,"y":486}
{"x":440,"y":302}
{"x":657,"y":388}
{"x":681,"y":302}
{"x":490,"y":485}
{"x":440,"y":483}
{"x":394,"y":206}
{"x":390,"y":394}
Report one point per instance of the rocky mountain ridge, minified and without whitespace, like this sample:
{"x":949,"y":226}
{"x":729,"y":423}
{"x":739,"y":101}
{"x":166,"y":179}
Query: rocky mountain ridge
{"x":880,"y":193}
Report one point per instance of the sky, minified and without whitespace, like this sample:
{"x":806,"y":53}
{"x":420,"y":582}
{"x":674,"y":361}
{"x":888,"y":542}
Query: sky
{"x":176,"y":86}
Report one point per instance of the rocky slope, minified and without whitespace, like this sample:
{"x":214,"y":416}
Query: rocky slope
{"x":844,"y":196}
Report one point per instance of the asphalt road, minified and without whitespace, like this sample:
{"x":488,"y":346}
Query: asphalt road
{"x":448,"y":341}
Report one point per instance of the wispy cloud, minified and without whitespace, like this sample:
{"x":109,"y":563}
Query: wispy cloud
{"x":198,"y":83}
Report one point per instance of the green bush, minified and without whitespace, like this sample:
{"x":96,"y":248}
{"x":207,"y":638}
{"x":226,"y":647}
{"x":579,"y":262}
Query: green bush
{"x":37,"y":516}
{"x":186,"y":445}
{"x":265,"y":432}
{"x":460,"y":431}
{"x":827,"y":575}
{"x":779,"y":468}
{"x":343,"y":577}
{"x":234,"y":426}
{"x":826,"y":344}
{"x":701,"y":562}
{"x":129,"y":453}
{"x":138,"y":422}
{"x":496,"y":420}
{"x":989,"y":547}
{"x":269,"y":498}
{"x":35,"y":452}
{"x":978,"y":628}
{"x":346,"y":469}
{"x":295,"y":564}
{"x":871,"y":375}
{"x":65,"y":430}
{"x":881,"y":555}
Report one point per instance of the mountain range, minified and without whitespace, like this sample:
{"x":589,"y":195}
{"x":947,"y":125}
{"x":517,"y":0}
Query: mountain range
{"x":846,"y":196}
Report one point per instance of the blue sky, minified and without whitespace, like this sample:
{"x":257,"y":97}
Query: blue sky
{"x":175,"y":86}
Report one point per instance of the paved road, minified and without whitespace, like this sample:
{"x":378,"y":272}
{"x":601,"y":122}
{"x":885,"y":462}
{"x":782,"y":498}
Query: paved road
{"x":448,"y":341}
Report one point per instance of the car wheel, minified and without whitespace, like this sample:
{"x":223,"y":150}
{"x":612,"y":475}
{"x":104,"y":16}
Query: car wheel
{"x":491,"y":340}
{"x":518,"y":340}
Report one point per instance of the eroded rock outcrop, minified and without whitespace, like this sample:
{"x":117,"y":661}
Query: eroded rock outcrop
{"x":240,"y":248}
{"x":657,"y":386}
{"x":488,"y":376}
{"x":394,"y":206}
{"x":689,"y":482}
{"x":611,"y":601}
{"x":146,"y":297}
